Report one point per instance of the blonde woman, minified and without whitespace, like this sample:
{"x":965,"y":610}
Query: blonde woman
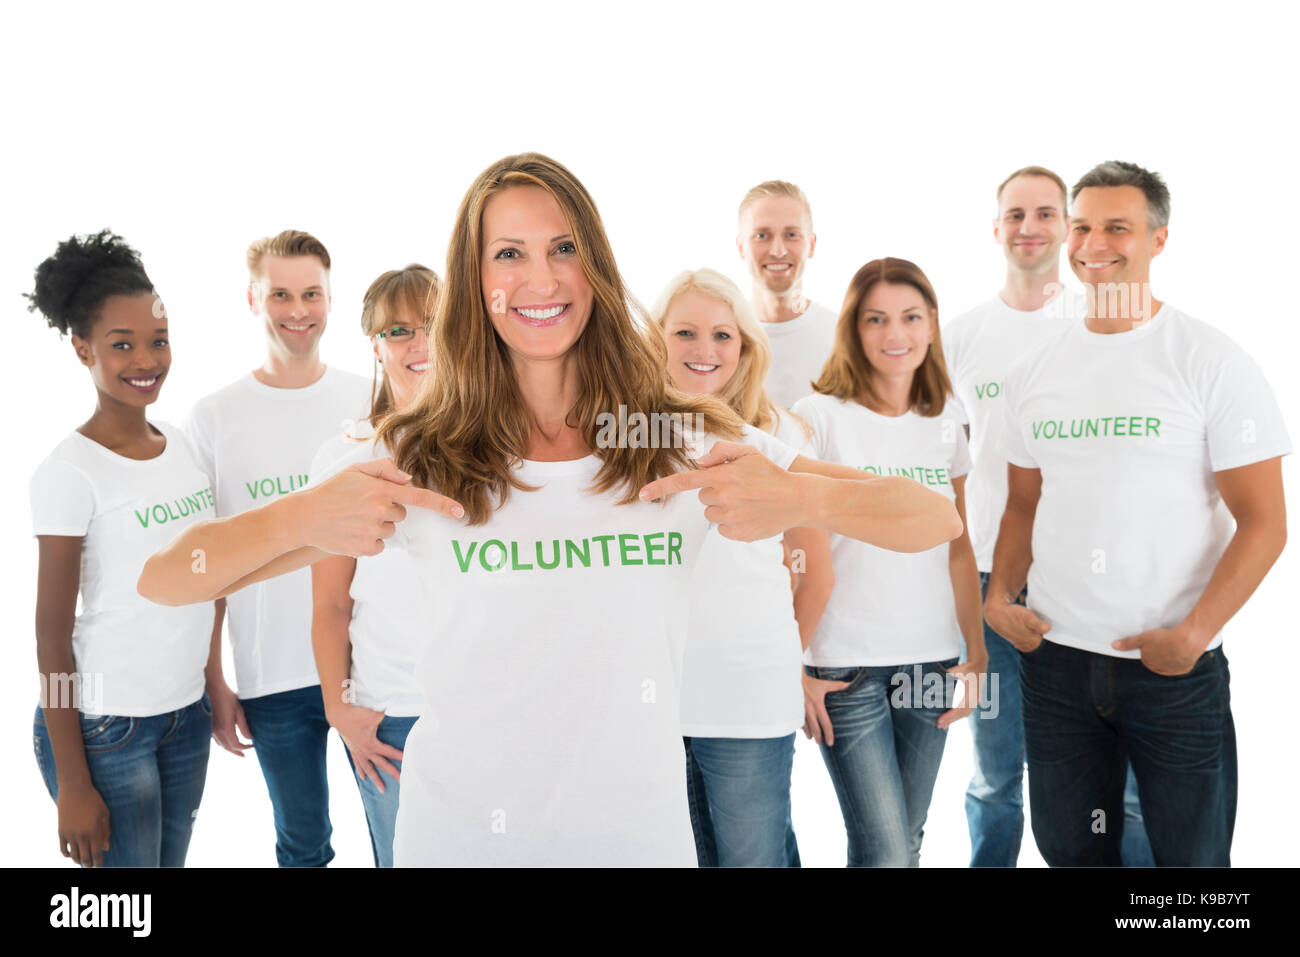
{"x":549,"y":660}
{"x":884,"y":661}
{"x":365,"y":630}
{"x":742,"y":697}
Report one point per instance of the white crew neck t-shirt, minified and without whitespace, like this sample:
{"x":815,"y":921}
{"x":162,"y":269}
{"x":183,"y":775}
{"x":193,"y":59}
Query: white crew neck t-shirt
{"x":800,"y":347}
{"x":385,"y":631}
{"x":137,"y":658}
{"x":1127,"y":430}
{"x":550,"y":665}
{"x":256,"y":442}
{"x":888,"y":608}
{"x":741,"y":672}
{"x":980,"y":348}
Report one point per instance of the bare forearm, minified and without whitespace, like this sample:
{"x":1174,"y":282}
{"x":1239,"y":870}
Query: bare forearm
{"x":1011,"y":554}
{"x":1242,"y":566}
{"x":966,"y":594}
{"x":892,"y":513}
{"x":62,"y":715}
{"x":209,"y":557}
{"x":214,"y":671}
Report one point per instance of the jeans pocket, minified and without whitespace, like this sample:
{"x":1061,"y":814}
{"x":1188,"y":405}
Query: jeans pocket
{"x":108,"y":732}
{"x":205,"y":704}
{"x":851,"y":675}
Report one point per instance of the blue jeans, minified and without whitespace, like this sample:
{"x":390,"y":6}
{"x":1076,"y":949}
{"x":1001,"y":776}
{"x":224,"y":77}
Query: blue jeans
{"x":886,"y":756}
{"x":739,"y":793}
{"x":150,"y":773}
{"x":290,"y":734}
{"x":995,"y":797}
{"x":381,"y":809}
{"x":1085,"y":712}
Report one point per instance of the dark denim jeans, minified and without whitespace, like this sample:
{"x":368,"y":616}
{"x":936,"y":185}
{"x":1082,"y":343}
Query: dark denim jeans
{"x":1085,"y":713}
{"x":149,"y":771}
{"x":995,"y":797}
{"x":885,"y":758}
{"x":381,"y":809}
{"x":290,"y":735}
{"x":739,"y":792}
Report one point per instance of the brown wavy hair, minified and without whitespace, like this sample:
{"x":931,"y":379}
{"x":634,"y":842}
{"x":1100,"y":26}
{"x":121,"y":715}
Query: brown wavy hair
{"x":469,"y":428}
{"x":411,"y":294}
{"x":847,"y":373}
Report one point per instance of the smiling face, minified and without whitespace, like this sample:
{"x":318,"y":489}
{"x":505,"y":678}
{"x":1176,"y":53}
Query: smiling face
{"x":1031,"y":223}
{"x":534,"y":288}
{"x":776,"y":241}
{"x":703,"y":341}
{"x":127,"y":349}
{"x":291,"y":296}
{"x":895,"y":327}
{"x":403,"y":349}
{"x":1110,"y":241}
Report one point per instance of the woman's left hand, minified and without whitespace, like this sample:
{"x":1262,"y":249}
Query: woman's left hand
{"x":974,"y":675}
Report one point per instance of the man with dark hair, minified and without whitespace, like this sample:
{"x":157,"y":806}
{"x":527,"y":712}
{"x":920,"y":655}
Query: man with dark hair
{"x":980,"y":346}
{"x":256,"y":439}
{"x":1134,"y":439}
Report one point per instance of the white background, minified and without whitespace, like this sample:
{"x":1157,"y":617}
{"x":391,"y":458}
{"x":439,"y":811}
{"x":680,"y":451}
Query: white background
{"x":191,"y":130}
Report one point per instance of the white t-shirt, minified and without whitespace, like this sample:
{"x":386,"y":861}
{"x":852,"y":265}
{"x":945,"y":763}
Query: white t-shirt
{"x":741,"y":673}
{"x":980,"y":347}
{"x":1127,"y":430}
{"x":550,"y":669}
{"x":887,"y":608}
{"x":137,"y":659}
{"x":384,"y":631}
{"x":800,"y":348}
{"x":256,"y":443}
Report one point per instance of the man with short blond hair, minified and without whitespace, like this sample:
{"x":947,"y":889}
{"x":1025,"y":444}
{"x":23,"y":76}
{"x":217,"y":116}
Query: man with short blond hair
{"x":256,"y":438}
{"x":776,"y":240}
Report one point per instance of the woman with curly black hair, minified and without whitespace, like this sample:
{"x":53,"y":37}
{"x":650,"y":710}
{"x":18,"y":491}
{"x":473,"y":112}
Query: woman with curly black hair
{"x":122,"y":732}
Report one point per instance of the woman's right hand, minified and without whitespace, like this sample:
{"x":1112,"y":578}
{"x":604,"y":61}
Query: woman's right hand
{"x":351,"y":513}
{"x":817,"y":723}
{"x":357,"y":726}
{"x":83,"y":825}
{"x":228,"y":719}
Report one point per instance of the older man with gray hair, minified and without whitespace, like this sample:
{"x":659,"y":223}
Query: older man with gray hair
{"x":1135,"y":438}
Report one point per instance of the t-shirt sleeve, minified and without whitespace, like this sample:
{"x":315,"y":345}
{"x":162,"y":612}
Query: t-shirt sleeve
{"x":809,"y":409}
{"x":200,"y":436}
{"x":63,"y":500}
{"x":1012,"y":441}
{"x":794,"y":433}
{"x":773,"y":448}
{"x":1243,"y":423}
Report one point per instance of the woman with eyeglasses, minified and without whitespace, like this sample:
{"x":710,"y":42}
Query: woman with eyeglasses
{"x":364,"y":632}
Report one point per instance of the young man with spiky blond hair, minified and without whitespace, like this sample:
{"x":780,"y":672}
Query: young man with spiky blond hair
{"x":776,"y":240}
{"x":256,"y":439}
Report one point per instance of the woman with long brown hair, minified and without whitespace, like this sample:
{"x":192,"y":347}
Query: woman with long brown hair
{"x":884,"y":661}
{"x":550,"y":666}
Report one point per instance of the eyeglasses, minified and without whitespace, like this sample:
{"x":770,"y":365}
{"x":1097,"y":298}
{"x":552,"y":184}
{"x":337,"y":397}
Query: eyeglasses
{"x":399,"y":333}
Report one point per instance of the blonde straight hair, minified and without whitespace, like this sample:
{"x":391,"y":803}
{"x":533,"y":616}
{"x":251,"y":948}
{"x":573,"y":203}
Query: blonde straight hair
{"x":469,"y":428}
{"x":744,"y":392}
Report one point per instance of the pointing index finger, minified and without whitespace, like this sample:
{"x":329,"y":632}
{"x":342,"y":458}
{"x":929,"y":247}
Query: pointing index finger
{"x":424,"y":498}
{"x":677,"y":482}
